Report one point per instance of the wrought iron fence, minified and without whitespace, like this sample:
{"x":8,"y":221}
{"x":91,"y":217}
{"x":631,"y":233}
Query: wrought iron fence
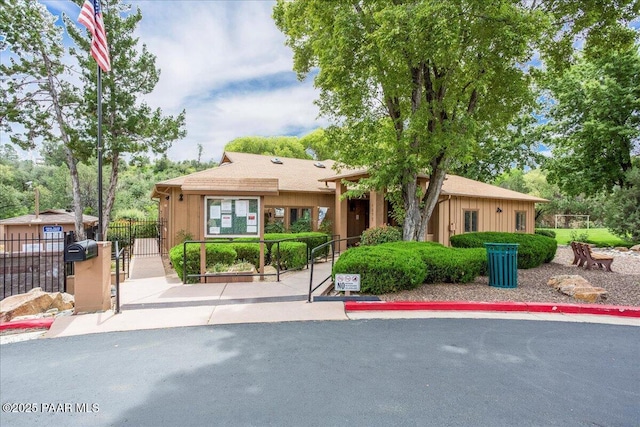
{"x":28,"y":262}
{"x":147,"y":237}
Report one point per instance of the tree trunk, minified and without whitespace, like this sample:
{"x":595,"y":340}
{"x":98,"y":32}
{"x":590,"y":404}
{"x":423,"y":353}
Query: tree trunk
{"x":71,"y":163}
{"x":431,"y":199}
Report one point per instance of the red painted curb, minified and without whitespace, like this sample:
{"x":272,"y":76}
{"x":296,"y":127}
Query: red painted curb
{"x":28,"y":324}
{"x":533,"y":307}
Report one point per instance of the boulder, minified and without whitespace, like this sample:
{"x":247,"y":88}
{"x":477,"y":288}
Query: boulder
{"x":635,"y":248}
{"x":621,"y":249}
{"x":36,"y":301}
{"x":577,"y":287}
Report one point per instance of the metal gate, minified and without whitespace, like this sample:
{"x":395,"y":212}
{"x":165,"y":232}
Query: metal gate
{"x":140,"y":238}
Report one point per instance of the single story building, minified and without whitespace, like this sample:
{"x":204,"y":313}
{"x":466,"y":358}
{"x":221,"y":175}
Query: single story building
{"x":247,"y":191}
{"x":43,"y":231}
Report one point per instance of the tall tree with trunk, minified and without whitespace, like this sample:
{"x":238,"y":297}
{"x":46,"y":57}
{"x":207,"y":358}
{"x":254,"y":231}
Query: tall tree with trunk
{"x":412,"y":85}
{"x":38,"y":102}
{"x":129,"y":126}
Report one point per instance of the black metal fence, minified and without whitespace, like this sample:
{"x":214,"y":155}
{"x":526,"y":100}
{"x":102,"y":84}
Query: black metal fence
{"x":140,"y":238}
{"x":28,"y":262}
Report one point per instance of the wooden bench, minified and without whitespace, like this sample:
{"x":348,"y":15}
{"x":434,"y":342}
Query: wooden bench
{"x":578,"y":256}
{"x":595,"y":260}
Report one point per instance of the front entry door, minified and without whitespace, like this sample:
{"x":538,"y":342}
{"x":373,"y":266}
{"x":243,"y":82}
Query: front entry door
{"x":357,"y":217}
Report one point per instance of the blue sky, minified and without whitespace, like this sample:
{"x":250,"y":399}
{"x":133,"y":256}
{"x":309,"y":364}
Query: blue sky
{"x":226,"y":64}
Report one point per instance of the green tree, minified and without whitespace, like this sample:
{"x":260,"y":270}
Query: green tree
{"x":129,"y":126}
{"x":318,"y":142}
{"x":412,"y":85}
{"x":623,"y":207}
{"x":284,"y":146}
{"x":594,"y":126}
{"x":36,"y":96}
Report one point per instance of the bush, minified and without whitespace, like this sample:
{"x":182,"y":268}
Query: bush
{"x":534,"y":249}
{"x":292,"y":255}
{"x":544,"y":232}
{"x":383,"y":269}
{"x":379,"y":235}
{"x":249,"y":252}
{"x":302,"y":225}
{"x":274,"y":227}
{"x":215,"y":254}
{"x":447,"y":265}
{"x":311,"y":239}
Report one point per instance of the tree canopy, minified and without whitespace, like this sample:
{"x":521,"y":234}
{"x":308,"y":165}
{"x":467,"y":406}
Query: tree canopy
{"x":594,"y":122}
{"x":411,"y":86}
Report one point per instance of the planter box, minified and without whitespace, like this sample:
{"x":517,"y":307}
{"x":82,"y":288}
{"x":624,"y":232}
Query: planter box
{"x":228,"y":278}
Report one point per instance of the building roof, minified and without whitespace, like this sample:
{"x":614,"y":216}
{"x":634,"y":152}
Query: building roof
{"x":237,"y":173}
{"x":455,"y":185}
{"x":51,"y":216}
{"x":291,"y":174}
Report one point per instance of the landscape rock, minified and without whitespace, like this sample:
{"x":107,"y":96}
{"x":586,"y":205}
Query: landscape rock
{"x":621,"y":249}
{"x":36,"y":302}
{"x":635,"y":248}
{"x":577,"y":287}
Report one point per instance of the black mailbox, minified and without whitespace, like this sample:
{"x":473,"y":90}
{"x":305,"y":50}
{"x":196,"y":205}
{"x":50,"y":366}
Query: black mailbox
{"x":81,"y":251}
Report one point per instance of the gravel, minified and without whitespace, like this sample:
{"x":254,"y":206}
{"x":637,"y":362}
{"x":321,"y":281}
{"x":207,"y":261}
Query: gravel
{"x":623,"y":285}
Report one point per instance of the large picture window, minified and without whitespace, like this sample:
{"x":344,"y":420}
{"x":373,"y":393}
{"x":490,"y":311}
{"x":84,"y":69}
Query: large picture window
{"x":470,"y":221}
{"x":232,"y":217}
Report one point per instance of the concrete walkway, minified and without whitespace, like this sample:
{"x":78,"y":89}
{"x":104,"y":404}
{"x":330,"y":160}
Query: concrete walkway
{"x":151,"y":300}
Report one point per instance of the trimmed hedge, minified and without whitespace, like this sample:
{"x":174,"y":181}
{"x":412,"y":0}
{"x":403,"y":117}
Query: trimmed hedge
{"x":249,"y":252}
{"x":293,"y":255}
{"x":216,"y":253}
{"x":548,"y":233}
{"x":533,"y":251}
{"x":383,"y":269}
{"x":447,"y":265}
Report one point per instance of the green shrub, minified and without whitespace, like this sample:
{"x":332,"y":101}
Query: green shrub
{"x":216,"y":253}
{"x":249,"y":252}
{"x":533,"y":249}
{"x":292,"y":255}
{"x":311,"y":239}
{"x":447,"y":265}
{"x":302,"y":225}
{"x":274,"y":227}
{"x":382,"y":269}
{"x":379,"y":235}
{"x":544,"y":232}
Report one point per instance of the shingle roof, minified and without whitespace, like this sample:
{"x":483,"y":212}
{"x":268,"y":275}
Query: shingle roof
{"x":292,"y":175}
{"x":51,"y":216}
{"x":302,"y":176}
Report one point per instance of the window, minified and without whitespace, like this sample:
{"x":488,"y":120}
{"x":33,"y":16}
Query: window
{"x":470,"y":221}
{"x":521,"y":221}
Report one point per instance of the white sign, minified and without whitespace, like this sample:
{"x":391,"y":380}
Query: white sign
{"x":347,"y":282}
{"x":226,"y":221}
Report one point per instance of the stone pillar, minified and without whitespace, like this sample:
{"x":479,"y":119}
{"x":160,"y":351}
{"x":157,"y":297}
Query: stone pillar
{"x":92,"y":282}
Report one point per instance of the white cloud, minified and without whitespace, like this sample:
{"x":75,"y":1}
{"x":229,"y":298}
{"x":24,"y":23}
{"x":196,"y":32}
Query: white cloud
{"x":207,"y":51}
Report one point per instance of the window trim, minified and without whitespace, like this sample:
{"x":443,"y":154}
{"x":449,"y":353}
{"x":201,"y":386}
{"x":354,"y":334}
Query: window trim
{"x":524,"y":223}
{"x":464,"y":220}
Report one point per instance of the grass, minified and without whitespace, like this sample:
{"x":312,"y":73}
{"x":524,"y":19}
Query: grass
{"x":601,"y":237}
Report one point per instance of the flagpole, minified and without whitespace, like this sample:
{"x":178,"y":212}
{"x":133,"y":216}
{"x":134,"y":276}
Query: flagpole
{"x":99,"y":149}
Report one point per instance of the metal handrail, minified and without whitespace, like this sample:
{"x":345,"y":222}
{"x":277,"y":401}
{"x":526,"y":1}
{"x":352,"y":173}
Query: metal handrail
{"x":118,"y":255}
{"x":333,"y":257}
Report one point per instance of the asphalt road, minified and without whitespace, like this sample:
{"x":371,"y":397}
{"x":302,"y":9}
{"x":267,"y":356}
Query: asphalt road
{"x":423,"y":372}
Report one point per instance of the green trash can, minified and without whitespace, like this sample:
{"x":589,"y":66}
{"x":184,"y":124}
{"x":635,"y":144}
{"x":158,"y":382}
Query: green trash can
{"x":503,"y":264}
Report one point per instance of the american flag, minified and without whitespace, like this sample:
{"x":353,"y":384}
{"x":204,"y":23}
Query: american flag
{"x":91,"y":17}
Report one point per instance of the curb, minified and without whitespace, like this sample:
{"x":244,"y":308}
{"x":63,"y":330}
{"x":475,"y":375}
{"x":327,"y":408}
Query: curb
{"x":532,"y":307}
{"x":28,"y":324}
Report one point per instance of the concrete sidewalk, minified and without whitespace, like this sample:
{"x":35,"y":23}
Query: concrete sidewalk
{"x":161,"y":302}
{"x":151,"y":300}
